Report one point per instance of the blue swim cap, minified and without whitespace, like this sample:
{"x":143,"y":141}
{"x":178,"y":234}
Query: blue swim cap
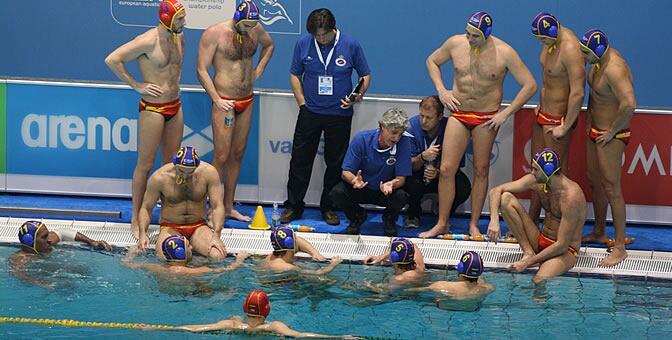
{"x":28,"y":234}
{"x":596,"y":42}
{"x":548,"y":162}
{"x":282,"y":238}
{"x":481,"y":21}
{"x":470,"y":266}
{"x":545,"y":25}
{"x":186,"y":157}
{"x":175,"y":248}
{"x":246,"y":11}
{"x":402,"y":251}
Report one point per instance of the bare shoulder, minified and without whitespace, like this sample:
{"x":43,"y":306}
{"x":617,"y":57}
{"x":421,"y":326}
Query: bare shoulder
{"x":149,"y":37}
{"x":617,"y":69}
{"x":502,"y":46}
{"x":574,"y":195}
{"x":209,"y":170}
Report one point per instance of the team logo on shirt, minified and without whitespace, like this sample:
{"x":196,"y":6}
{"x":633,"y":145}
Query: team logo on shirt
{"x":340,"y":61}
{"x":391,"y":160}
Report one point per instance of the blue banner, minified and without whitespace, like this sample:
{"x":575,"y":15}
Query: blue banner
{"x":92,"y":132}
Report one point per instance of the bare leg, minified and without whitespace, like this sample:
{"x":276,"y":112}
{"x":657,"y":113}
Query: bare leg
{"x":609,"y":159}
{"x":537,"y":144}
{"x":200,"y":241}
{"x":555,"y":266}
{"x":150,"y":129}
{"x":454,"y":143}
{"x":519,"y":222}
{"x":222,"y":139}
{"x":172,"y":137}
{"x":600,"y":202}
{"x":241,"y":130}
{"x":482,"y":140}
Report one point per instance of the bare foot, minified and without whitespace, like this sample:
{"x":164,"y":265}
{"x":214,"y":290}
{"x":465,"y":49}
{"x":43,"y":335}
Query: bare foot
{"x":238,"y":216}
{"x":593,"y":238}
{"x":616,"y":256}
{"x":473,"y":231}
{"x":135,"y":229}
{"x":436,"y":230}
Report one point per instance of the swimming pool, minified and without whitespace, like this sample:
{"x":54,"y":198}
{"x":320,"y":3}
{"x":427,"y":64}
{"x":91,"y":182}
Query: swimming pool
{"x":93,"y":286}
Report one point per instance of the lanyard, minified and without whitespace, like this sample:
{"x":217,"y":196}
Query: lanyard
{"x":432,"y":143}
{"x":392,"y":150}
{"x":331,"y":53}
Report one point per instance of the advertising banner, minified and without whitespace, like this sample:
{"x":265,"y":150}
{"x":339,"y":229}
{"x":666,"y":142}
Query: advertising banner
{"x":3,"y":136}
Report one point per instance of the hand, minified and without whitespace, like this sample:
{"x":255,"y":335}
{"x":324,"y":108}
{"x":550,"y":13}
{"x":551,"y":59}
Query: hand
{"x":387,"y":187}
{"x":519,"y":266}
{"x":431,"y":153}
{"x":496,"y":121}
{"x":370,"y":259}
{"x":449,"y":100}
{"x":536,"y":110}
{"x":319,"y":258}
{"x":336,"y":260}
{"x":494,"y":231}
{"x":605,"y":137}
{"x":224,"y":105}
{"x":346,"y":103}
{"x":149,"y":89}
{"x":358,"y":182}
{"x":101,"y":245}
{"x":431,"y":173}
{"x":242,"y":255}
{"x":217,"y":243}
{"x":558,"y":132}
{"x":143,"y":242}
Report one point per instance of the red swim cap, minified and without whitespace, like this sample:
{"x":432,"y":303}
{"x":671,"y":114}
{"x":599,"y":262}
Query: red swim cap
{"x":168,"y":9}
{"x":257,"y":304}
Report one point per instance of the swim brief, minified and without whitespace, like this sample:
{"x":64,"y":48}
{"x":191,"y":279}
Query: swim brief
{"x":473,"y":119}
{"x":168,"y":110}
{"x":544,"y":242}
{"x":240,"y":103}
{"x":623,"y":135}
{"x":187,"y":229}
{"x":545,"y":118}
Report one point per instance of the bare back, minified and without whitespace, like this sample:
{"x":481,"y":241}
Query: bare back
{"x":556,"y":203}
{"x":234,"y":73}
{"x":604,"y":101}
{"x":184,"y":203}
{"x":478,"y":80}
{"x":162,"y":64}
{"x":556,"y":72}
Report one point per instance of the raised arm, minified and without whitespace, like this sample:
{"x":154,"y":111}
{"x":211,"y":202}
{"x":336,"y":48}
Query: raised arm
{"x":206,"y":53}
{"x":240,"y":258}
{"x":522,"y":184}
{"x":96,"y":244}
{"x":419,"y":259}
{"x":305,"y":246}
{"x":324,"y":270}
{"x":267,"y":47}
{"x":133,"y":49}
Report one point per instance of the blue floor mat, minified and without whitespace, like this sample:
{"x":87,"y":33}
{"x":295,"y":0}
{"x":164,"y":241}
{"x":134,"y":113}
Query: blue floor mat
{"x":647,"y":237}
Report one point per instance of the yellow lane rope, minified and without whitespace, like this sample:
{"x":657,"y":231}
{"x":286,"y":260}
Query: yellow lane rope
{"x":75,"y":323}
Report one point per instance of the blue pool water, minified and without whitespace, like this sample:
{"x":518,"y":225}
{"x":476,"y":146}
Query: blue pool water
{"x":93,"y":286}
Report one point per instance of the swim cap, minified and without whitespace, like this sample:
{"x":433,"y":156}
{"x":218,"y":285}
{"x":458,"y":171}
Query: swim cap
{"x":402,"y":251}
{"x":28,"y":234}
{"x":481,"y":21}
{"x":545,"y":25}
{"x":470,"y":266}
{"x":282,"y":238}
{"x":548,"y":162}
{"x":596,"y":42}
{"x":168,"y":10}
{"x":186,"y":157}
{"x":257,"y":304}
{"x":175,"y":248}
{"x":246,"y":11}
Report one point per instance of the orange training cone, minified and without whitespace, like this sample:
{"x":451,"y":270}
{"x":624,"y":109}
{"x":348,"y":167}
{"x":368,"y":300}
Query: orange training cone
{"x":259,"y":221}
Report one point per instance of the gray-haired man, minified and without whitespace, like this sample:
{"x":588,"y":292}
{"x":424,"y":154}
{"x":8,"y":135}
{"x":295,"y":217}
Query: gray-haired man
{"x":374,"y":171}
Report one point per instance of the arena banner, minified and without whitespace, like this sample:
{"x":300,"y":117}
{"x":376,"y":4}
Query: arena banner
{"x":279,"y":16}
{"x":3,"y":136}
{"x":83,"y":140}
{"x":277,"y":130}
{"x":646,"y":165}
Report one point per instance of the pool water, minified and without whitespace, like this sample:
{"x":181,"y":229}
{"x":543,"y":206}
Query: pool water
{"x":93,"y":286}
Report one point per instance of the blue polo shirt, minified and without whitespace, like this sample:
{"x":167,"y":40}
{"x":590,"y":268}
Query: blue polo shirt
{"x":348,"y":55}
{"x":377,"y":166}
{"x":420,"y":140}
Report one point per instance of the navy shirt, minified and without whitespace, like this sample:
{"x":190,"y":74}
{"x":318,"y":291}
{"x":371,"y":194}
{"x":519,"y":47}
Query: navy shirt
{"x":377,"y":166}
{"x":348,"y":55}
{"x":420,"y":140}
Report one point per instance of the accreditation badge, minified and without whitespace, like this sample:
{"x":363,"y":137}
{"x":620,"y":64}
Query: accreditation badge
{"x":325,"y":85}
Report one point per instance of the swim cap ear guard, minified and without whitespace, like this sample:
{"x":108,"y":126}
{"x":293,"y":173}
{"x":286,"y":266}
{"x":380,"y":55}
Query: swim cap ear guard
{"x":545,"y":25}
{"x":402,"y":251}
{"x":186,"y":157}
{"x":548,"y":162}
{"x":257,"y":304}
{"x":175,"y":248}
{"x":28,"y":234}
{"x":246,"y":11}
{"x":470,"y":265}
{"x":596,"y":42}
{"x":482,"y":21}
{"x":168,"y":10}
{"x":282,"y":238}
